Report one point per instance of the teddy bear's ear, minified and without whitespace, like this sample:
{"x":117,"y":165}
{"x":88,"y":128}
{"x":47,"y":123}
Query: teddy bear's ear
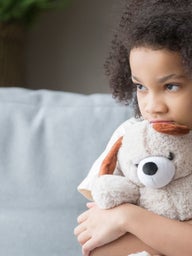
{"x":109,"y":163}
{"x":171,"y":128}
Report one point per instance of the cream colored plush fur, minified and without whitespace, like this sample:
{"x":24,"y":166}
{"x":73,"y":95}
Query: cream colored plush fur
{"x":168,"y":192}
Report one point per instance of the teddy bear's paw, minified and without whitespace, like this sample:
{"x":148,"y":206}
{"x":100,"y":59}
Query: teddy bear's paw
{"x":144,"y":253}
{"x":103,"y":194}
{"x":112,"y":190}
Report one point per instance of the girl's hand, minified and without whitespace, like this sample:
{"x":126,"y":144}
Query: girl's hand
{"x":98,"y":227}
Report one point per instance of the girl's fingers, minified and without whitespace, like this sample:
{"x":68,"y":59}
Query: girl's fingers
{"x":91,"y":204}
{"x":89,"y":246}
{"x":82,"y":217}
{"x":83,"y":237}
{"x":79,"y":229}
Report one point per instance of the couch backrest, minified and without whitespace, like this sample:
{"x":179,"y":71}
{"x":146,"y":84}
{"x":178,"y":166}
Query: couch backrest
{"x":48,"y":141}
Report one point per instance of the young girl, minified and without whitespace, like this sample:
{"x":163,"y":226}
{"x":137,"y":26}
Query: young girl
{"x":150,"y":62}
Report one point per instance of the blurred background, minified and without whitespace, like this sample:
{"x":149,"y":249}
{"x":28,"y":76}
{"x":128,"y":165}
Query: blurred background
{"x":65,"y":48}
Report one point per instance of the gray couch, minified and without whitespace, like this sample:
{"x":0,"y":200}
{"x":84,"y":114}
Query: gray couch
{"x":48,"y":141}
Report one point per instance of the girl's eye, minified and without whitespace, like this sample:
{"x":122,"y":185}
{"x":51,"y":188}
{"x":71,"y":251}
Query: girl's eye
{"x":172,"y":87}
{"x":140,"y":87}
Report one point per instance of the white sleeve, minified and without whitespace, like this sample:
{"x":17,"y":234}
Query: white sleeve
{"x":86,"y":185}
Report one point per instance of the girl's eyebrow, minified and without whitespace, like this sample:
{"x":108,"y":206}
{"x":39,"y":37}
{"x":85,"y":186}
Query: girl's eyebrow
{"x":162,"y":79}
{"x":168,"y":77}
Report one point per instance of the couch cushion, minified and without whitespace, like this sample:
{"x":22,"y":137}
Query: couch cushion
{"x":48,"y":141}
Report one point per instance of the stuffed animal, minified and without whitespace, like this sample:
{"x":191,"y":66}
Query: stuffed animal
{"x":151,"y":167}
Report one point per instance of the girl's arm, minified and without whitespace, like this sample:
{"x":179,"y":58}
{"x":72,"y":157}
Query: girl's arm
{"x":107,"y":229}
{"x":170,"y":237}
{"x":124,"y":246}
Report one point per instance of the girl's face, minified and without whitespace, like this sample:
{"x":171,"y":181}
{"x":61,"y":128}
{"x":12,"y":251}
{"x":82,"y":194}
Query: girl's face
{"x":164,"y":90}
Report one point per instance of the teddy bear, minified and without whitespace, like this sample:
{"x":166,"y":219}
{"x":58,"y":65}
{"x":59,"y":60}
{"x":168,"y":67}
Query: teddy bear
{"x":149,"y":166}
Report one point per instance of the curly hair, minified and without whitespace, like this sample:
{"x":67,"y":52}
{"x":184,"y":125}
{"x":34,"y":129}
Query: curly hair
{"x":158,"y":24}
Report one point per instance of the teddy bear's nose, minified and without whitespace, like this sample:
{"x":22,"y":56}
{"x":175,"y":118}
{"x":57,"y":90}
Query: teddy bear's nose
{"x":150,"y":168}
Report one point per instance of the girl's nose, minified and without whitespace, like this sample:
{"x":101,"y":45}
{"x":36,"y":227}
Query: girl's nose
{"x":155,"y":105}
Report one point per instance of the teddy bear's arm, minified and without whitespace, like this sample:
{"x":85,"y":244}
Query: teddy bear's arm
{"x":112,"y":190}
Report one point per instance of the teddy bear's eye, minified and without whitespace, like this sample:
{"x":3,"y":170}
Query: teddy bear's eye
{"x":171,"y":156}
{"x":156,"y":171}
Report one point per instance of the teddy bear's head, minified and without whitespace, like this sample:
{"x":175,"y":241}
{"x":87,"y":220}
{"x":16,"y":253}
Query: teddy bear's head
{"x":153,"y":158}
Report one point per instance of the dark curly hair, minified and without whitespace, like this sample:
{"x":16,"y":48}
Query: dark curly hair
{"x":158,"y":24}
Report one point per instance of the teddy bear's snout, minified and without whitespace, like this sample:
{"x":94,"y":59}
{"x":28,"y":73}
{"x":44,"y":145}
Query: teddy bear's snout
{"x":150,"y":168}
{"x":155,"y":171}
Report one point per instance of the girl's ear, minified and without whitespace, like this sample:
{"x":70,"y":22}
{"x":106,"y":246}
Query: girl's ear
{"x":171,"y":128}
{"x":109,"y":163}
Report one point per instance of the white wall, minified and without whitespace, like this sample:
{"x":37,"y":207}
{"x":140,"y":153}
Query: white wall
{"x":67,"y":48}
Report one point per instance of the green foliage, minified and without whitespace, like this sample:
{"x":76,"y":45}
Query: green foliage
{"x":25,"y":11}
